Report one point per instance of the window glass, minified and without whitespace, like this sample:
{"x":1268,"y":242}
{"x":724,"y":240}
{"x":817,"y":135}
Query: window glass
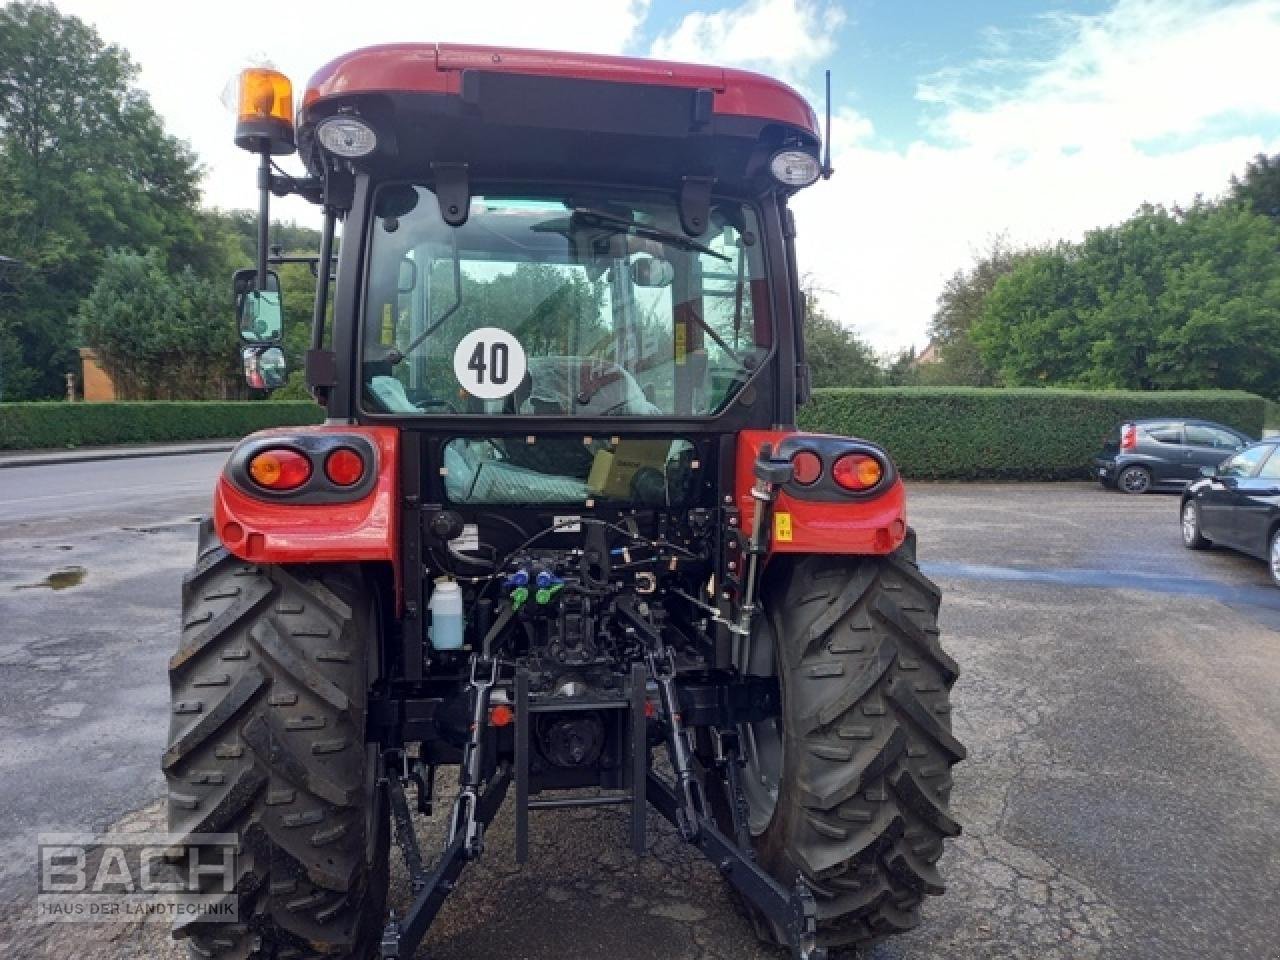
{"x":1199,"y":435}
{"x":1165,"y":432}
{"x":1244,"y":463}
{"x":595,"y":304}
{"x":1271,"y":469}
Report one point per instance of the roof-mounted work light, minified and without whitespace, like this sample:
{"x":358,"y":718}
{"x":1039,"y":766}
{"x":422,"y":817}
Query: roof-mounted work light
{"x":794,"y":168}
{"x":264,"y":113}
{"x":347,"y":136}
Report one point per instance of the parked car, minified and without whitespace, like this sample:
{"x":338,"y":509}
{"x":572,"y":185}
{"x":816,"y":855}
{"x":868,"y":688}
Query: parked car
{"x":1237,"y":505}
{"x":1142,"y":455}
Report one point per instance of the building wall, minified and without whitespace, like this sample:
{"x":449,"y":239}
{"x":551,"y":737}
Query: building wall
{"x":97,"y":384}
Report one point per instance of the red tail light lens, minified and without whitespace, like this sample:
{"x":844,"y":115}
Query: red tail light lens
{"x":280,"y":469}
{"x":806,"y":468}
{"x":857,"y":472}
{"x":1128,"y":437}
{"x":344,"y":467}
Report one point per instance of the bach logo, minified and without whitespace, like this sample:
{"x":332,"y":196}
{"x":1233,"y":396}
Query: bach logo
{"x":113,"y":877}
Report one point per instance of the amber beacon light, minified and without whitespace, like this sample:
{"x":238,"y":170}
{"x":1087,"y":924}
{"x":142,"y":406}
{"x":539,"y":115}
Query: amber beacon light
{"x":264,"y":113}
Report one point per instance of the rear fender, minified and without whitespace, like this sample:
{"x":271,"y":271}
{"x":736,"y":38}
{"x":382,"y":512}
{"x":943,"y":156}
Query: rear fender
{"x":824,"y":518}
{"x":317,"y":523}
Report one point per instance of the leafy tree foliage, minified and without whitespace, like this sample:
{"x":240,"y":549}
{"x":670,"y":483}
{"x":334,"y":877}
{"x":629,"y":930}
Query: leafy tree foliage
{"x":1168,"y":299}
{"x":160,"y":334}
{"x":837,"y":356}
{"x":960,"y":305}
{"x":1259,"y":188}
{"x":85,"y":165}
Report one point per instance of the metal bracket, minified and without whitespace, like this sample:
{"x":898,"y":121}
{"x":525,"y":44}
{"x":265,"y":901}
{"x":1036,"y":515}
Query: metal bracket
{"x":695,"y":204}
{"x":793,"y":911}
{"x":453,"y":191}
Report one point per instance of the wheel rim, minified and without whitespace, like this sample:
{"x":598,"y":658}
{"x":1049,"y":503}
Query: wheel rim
{"x":1134,"y":480}
{"x":1189,"y":523}
{"x":1275,"y":556}
{"x":762,"y":741}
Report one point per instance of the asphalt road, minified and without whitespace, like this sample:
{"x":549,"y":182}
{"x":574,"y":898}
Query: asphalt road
{"x":1118,"y":697}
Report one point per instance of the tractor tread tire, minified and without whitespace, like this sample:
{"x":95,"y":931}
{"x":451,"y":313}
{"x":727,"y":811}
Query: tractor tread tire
{"x":267,"y":742}
{"x":863,"y":806}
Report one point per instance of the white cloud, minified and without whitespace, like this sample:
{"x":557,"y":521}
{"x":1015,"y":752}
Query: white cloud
{"x":782,"y":37}
{"x":188,"y":51}
{"x":1053,"y":149}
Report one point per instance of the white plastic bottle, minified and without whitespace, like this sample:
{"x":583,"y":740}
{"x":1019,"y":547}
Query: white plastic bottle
{"x":446,"y":615}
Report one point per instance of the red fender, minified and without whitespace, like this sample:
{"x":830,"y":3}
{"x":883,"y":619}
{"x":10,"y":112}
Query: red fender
{"x":875,"y":526}
{"x":274,"y":531}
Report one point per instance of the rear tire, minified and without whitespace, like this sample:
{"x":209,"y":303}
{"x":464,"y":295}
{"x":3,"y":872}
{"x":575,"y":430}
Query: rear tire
{"x":1135,"y":480}
{"x":267,"y":742}
{"x":862,"y":797}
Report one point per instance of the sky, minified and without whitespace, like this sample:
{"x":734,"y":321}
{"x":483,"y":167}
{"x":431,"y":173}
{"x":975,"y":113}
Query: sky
{"x":955,"y":123}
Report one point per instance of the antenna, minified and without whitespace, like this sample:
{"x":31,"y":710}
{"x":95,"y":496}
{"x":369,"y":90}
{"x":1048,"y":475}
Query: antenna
{"x":826,"y":159}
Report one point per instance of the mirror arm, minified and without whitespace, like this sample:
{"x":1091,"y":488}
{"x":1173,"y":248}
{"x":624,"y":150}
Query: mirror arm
{"x":264,"y":213}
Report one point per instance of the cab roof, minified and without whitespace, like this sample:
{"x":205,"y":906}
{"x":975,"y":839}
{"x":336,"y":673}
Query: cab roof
{"x":437,"y":68}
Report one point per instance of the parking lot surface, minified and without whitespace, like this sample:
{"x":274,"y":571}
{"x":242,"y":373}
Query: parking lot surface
{"x":1118,"y":698}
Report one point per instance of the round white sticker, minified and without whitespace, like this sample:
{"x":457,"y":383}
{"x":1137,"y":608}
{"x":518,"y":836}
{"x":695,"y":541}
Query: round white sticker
{"x":489,"y":363}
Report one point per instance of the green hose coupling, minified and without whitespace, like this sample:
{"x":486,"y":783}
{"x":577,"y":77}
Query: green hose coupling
{"x":519,"y":596}
{"x":544,"y":594}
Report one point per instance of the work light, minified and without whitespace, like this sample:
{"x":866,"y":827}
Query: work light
{"x":346,"y":136}
{"x":794,"y":168}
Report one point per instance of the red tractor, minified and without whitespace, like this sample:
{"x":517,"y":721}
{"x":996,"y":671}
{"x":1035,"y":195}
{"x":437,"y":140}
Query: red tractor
{"x":559,"y":515}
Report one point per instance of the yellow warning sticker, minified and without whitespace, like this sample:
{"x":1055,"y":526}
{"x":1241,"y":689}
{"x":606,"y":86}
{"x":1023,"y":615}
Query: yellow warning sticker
{"x":782,"y":527}
{"x":681,"y":342}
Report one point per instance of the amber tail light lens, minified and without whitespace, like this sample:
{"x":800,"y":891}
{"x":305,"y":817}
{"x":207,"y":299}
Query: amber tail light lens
{"x":280,"y":469}
{"x":344,"y":467}
{"x":857,"y":472}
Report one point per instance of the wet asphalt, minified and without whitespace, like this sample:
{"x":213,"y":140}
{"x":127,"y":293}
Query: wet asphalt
{"x":1118,"y":698}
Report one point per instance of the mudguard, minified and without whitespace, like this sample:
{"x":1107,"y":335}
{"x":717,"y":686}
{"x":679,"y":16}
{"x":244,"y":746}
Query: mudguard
{"x":314,"y":524}
{"x":824,"y":518}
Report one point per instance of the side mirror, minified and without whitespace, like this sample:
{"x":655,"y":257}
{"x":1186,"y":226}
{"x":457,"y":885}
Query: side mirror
{"x":652,"y":272}
{"x":259,"y":313}
{"x":264,"y":367}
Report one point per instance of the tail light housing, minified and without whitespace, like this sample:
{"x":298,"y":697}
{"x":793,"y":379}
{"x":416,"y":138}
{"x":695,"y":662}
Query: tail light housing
{"x":1128,"y":437}
{"x":279,"y":469}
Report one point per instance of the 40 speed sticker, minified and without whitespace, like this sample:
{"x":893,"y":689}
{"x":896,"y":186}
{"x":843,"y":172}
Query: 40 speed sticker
{"x":489,"y":363}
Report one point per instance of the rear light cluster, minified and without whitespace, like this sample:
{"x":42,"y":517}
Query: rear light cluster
{"x":281,"y":469}
{"x":1128,"y":437}
{"x":855,"y":472}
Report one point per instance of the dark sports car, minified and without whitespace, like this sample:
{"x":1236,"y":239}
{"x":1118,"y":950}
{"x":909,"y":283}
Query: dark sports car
{"x":1237,"y":505}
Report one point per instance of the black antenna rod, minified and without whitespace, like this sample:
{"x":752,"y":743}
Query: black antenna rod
{"x":826,"y":159}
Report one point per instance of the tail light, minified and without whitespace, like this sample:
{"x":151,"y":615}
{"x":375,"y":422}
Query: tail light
{"x":344,"y":467}
{"x":280,"y":469}
{"x":1128,"y":437}
{"x":857,"y":472}
{"x":806,"y":468}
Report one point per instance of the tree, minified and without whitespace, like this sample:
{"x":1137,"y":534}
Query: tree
{"x":961,"y":303}
{"x":1259,"y":188}
{"x":85,"y":165}
{"x":160,"y":334}
{"x":1168,"y":299}
{"x":837,"y":356}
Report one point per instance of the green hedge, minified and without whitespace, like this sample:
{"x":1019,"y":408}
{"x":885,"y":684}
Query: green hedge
{"x":26,"y":426}
{"x":970,"y":433}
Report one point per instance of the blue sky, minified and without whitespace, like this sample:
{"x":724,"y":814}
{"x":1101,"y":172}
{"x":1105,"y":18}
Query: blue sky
{"x":956,"y":122}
